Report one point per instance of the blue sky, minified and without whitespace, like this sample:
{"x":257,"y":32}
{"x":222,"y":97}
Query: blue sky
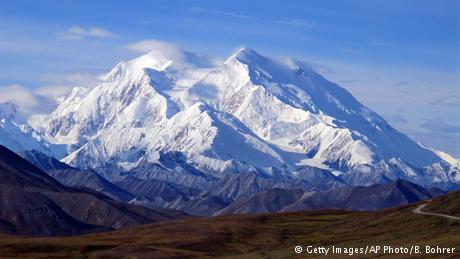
{"x":400,"y":58}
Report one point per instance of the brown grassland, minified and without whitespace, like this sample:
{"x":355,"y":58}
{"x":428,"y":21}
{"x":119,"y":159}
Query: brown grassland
{"x":253,"y":236}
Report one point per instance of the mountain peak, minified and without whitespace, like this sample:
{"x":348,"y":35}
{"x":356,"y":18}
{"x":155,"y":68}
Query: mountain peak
{"x":156,"y":60}
{"x":245,"y":51}
{"x":247,"y":55}
{"x":153,"y":59}
{"x":8,"y":110}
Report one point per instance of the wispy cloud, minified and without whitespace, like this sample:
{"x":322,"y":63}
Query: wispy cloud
{"x":76,"y":79}
{"x":298,"y":23}
{"x":222,"y":12}
{"x":395,"y":118}
{"x":78,"y":33}
{"x":44,"y":99}
{"x":164,"y":51}
{"x":402,"y":83}
{"x":440,"y":126}
{"x":452,"y":101}
{"x":152,"y":44}
{"x":57,"y":85}
{"x":28,"y":101}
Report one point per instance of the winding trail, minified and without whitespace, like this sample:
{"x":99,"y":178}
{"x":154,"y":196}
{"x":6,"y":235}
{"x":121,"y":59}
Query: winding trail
{"x":418,"y":210}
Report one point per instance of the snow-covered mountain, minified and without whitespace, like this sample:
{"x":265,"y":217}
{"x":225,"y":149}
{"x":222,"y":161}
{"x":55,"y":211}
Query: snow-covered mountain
{"x":249,"y":113}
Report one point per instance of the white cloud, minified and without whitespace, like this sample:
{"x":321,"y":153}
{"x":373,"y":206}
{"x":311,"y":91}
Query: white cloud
{"x":19,"y":95}
{"x":28,"y":101}
{"x":78,"y":33}
{"x":75,"y":79}
{"x":54,"y":91}
{"x":164,"y":52}
{"x":145,"y":46}
{"x":44,"y":99}
{"x":99,"y":32}
{"x":58,"y":85}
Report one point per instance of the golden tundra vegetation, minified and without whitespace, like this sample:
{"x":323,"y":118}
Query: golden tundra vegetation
{"x":448,"y":204}
{"x":254,"y":236}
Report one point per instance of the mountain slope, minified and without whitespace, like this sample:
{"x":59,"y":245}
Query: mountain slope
{"x":74,"y":177}
{"x":33,"y":203}
{"x":272,"y":200}
{"x":17,"y":135}
{"x":373,"y":197}
{"x":157,"y":193}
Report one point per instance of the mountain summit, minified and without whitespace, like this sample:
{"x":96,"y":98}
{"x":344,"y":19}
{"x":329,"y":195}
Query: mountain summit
{"x":249,"y":113}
